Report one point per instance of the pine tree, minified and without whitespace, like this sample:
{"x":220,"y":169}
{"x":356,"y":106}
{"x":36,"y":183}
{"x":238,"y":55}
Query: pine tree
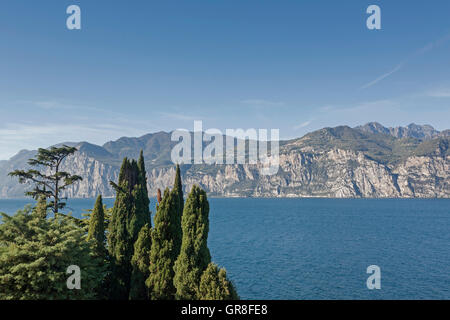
{"x":35,"y":254}
{"x":141,"y":264}
{"x":194,"y":256}
{"x":214,"y":285}
{"x":48,"y":179}
{"x":166,"y":240}
{"x":41,"y":208}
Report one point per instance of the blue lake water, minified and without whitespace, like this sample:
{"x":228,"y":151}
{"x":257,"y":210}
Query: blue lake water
{"x":321,"y":248}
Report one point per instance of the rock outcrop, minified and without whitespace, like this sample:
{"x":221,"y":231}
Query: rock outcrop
{"x":333,"y":162}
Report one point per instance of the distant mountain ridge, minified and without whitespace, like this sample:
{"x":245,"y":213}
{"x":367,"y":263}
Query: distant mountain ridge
{"x":365,"y":161}
{"x":423,"y":132}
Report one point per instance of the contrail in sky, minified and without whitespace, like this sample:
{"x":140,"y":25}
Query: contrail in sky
{"x":421,"y":51}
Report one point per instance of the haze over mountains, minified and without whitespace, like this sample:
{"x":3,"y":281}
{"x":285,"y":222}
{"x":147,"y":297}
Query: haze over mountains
{"x":365,"y":161}
{"x":410,"y":131}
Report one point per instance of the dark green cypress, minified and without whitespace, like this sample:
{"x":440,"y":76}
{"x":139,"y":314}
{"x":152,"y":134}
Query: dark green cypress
{"x":166,"y":240}
{"x":96,"y":231}
{"x":214,"y":285}
{"x":209,"y":288}
{"x":119,"y":246}
{"x":119,"y":238}
{"x":194,"y":256}
{"x":96,"y":235}
{"x":130,"y":214}
{"x":143,"y":186}
{"x":140,"y":264}
{"x":141,"y":213}
{"x":178,"y":190}
{"x":228,"y":291}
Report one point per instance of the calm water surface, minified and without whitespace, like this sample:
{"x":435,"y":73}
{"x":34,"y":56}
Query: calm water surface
{"x":320,"y":248}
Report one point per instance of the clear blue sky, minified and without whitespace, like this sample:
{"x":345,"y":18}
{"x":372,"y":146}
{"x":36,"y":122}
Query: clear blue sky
{"x":143,"y":66}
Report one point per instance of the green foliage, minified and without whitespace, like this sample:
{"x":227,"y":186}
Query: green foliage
{"x":439,"y":146}
{"x":140,"y":265}
{"x":194,"y":256}
{"x":214,"y":285}
{"x":87,"y":218}
{"x":96,"y":235}
{"x":119,"y":247}
{"x":48,"y":185}
{"x":227,"y":288}
{"x":143,"y":184}
{"x":41,"y":208}
{"x":35,"y":254}
{"x":130,"y":213}
{"x":96,"y":231}
{"x":166,"y":241}
{"x":178,"y":191}
{"x":138,"y":262}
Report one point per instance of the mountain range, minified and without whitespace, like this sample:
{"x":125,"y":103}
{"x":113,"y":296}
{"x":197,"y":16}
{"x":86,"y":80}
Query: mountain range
{"x":369,"y":161}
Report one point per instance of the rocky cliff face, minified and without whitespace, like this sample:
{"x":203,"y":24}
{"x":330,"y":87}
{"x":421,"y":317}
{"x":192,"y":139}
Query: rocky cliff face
{"x":338,"y":162}
{"x":424,"y":177}
{"x":96,"y":176}
{"x":335,"y":173}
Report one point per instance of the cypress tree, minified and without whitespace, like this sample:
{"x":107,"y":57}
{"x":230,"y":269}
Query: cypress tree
{"x":194,"y":256}
{"x":119,"y":249}
{"x":142,"y":202}
{"x":140,"y":264}
{"x":178,"y":190}
{"x":209,"y":288}
{"x":96,"y":231}
{"x":96,"y":235}
{"x":227,"y":288}
{"x":166,"y":240}
{"x":141,"y":213}
{"x":129,"y":215}
{"x":214,"y":285}
{"x":143,"y":186}
{"x":119,"y":240}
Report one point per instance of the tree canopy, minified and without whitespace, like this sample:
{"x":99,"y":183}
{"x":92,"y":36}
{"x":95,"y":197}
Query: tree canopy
{"x":130,"y":213}
{"x":214,"y":285}
{"x":35,"y":254}
{"x":48,"y":179}
{"x":194,"y":256}
{"x":118,"y":252}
